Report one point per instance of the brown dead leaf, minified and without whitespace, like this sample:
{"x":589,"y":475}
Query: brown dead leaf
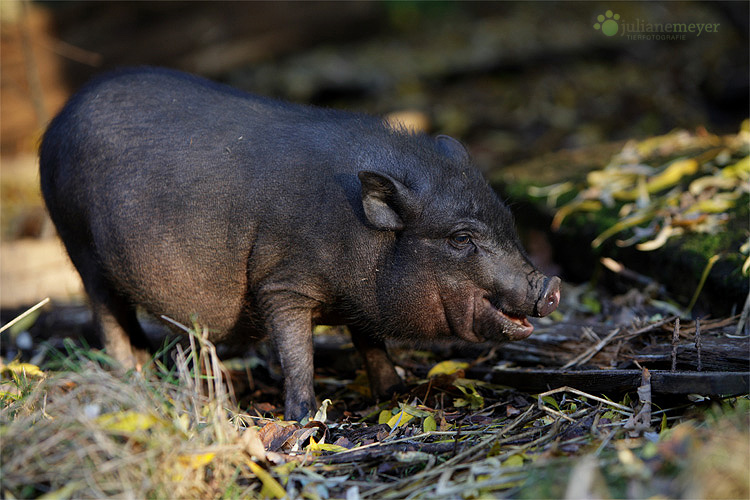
{"x":274,"y":436}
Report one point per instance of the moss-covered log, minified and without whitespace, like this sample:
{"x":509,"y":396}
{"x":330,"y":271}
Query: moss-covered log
{"x":587,"y":224}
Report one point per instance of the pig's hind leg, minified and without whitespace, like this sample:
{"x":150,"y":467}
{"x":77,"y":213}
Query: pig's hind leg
{"x":384,"y":381}
{"x":118,"y":327}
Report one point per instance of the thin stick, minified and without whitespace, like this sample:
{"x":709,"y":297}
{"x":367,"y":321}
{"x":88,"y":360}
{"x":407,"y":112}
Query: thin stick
{"x":587,"y":395}
{"x":743,"y":316}
{"x":650,"y":327}
{"x":23,"y":315}
{"x":698,"y":342}
{"x":675,"y":340}
{"x":711,"y":261}
{"x":591,"y":351}
{"x":617,"y":267}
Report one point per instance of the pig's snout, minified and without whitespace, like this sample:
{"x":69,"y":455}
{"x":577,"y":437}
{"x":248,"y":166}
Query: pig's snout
{"x":549,"y":298}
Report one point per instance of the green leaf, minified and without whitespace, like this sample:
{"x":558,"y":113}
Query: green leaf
{"x":473,"y":399}
{"x":551,"y":401}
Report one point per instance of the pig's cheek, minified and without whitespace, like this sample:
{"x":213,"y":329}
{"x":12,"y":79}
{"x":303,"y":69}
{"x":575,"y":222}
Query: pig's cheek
{"x":426,"y":313}
{"x":458,"y":306}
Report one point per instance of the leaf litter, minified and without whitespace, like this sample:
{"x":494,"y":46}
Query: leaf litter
{"x":661,"y":188}
{"x":179,"y":432}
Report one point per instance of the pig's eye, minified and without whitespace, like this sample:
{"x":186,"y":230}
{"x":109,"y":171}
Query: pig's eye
{"x":460,"y":240}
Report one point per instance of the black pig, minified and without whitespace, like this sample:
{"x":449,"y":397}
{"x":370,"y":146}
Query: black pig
{"x":259,"y":217}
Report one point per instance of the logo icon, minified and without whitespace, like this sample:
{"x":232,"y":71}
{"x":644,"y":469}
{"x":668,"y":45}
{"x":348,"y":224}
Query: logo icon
{"x":608,"y":23}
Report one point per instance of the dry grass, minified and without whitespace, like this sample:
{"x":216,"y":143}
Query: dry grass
{"x":90,"y":433}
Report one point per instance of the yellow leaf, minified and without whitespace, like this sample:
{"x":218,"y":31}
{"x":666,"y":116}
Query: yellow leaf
{"x":20,"y":369}
{"x":660,"y":239}
{"x":574,"y":206}
{"x":271,"y":487}
{"x":195,"y":460}
{"x":631,"y":221}
{"x":282,"y":471}
{"x":711,"y":181}
{"x":313,"y":446}
{"x":672,"y":174}
{"x":322,"y":414}
{"x":429,"y":424}
{"x":399,"y":418}
{"x":447,"y":368}
{"x":127,"y":422}
{"x":384,"y":416}
{"x":513,"y":461}
{"x":658,"y":182}
{"x":716,"y":205}
{"x":740,"y":170}
{"x":318,"y":447}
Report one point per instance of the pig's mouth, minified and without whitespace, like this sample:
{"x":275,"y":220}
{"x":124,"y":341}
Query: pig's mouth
{"x":492,"y":323}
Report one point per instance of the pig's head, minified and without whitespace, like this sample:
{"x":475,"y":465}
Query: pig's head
{"x":453,"y":264}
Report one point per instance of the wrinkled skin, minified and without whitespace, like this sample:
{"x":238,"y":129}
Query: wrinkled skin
{"x":262,"y":218}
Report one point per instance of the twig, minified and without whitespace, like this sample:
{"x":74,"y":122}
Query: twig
{"x":711,"y":261}
{"x":456,"y":460}
{"x":23,"y":315}
{"x":586,"y":395}
{"x":743,"y":316}
{"x":649,"y":327}
{"x":591,"y":351}
{"x":675,"y":340}
{"x":32,"y":68}
{"x":540,"y":404}
{"x":617,"y":267}
{"x":698,"y":343}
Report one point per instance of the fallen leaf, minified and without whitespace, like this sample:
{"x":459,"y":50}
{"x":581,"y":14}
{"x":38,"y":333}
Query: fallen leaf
{"x":661,"y":238}
{"x":195,"y":460}
{"x":399,"y":419}
{"x":23,"y":369}
{"x":271,"y":487}
{"x":672,"y":174}
{"x":513,"y":461}
{"x":318,"y":447}
{"x":127,"y":422}
{"x":322,"y":413}
{"x":447,"y":368}
{"x":739,"y":170}
{"x":429,"y":424}
{"x":574,"y":206}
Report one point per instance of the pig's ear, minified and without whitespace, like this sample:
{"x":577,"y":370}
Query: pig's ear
{"x":453,"y":148}
{"x":383,"y":199}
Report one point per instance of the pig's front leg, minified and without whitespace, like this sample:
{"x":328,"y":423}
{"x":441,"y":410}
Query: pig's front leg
{"x":291,"y":333}
{"x":384,"y":381}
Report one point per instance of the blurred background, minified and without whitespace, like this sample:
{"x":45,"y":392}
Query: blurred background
{"x":513,"y":80}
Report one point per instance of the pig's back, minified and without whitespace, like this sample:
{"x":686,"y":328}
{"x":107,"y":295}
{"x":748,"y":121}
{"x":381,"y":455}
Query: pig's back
{"x":164,"y":180}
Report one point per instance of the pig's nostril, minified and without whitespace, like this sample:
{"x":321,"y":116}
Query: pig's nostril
{"x":553,"y":299}
{"x":550,"y":297}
